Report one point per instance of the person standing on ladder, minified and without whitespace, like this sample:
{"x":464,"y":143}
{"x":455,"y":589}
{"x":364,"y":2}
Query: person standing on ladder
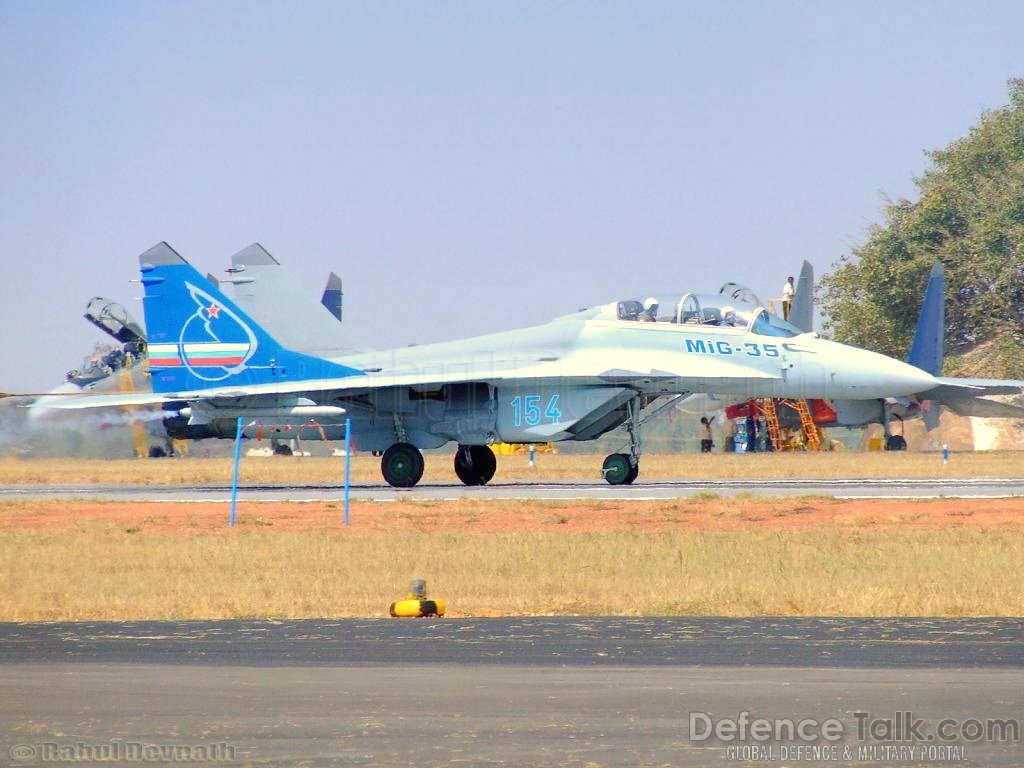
{"x":787,"y":297}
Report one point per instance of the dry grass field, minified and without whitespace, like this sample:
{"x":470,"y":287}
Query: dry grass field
{"x":704,"y":556}
{"x":549,"y":467}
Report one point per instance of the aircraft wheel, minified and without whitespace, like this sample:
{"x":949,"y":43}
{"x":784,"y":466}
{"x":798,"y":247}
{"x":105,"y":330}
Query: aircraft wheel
{"x":634,"y":473}
{"x":402,"y":465}
{"x":475,"y":464}
{"x":618,"y":470}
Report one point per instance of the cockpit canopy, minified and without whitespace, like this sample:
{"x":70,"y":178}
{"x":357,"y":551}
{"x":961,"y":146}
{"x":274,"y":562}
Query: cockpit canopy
{"x":720,"y":310}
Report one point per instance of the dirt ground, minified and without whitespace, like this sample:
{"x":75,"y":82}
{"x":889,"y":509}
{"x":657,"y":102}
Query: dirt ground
{"x":490,"y":517}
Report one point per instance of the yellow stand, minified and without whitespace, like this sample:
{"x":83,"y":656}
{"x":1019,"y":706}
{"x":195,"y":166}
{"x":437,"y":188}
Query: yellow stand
{"x":416,"y":605}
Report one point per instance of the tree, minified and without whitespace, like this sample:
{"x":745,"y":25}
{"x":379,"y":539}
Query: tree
{"x":970,"y":216}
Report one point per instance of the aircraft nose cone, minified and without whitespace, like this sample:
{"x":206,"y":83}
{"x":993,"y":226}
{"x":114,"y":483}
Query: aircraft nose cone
{"x":895,"y":378}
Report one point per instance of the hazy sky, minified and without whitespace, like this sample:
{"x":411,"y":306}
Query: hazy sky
{"x":466,"y":167}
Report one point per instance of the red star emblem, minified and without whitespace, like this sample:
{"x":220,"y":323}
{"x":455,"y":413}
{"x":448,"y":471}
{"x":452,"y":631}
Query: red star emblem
{"x":213,"y":311}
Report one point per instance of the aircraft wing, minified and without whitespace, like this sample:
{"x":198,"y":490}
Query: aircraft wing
{"x":989,"y":409}
{"x":583,"y":369}
{"x":953,"y":388}
{"x":968,"y":397}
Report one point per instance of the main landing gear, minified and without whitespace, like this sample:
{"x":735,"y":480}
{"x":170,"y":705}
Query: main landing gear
{"x":402,"y":465}
{"x":624,"y":468}
{"x":475,"y":464}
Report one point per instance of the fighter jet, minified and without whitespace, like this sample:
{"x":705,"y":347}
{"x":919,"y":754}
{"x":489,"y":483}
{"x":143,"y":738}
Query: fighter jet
{"x":110,"y":369}
{"x":574,"y":378}
{"x":962,"y":396}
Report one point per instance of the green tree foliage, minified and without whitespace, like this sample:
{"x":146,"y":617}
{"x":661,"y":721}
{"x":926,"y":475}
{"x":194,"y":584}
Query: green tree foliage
{"x":970,"y":216}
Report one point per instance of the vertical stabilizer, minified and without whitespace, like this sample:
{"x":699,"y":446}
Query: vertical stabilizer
{"x":801,"y":313}
{"x":926,"y":351}
{"x":200,"y":339}
{"x":268,"y":292}
{"x":333,"y":295}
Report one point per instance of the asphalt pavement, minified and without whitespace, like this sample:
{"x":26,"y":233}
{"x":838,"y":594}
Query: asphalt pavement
{"x":840,"y":488}
{"x":511,"y":691}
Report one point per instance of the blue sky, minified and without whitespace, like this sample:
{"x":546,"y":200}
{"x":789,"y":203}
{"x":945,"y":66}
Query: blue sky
{"x":466,"y":167}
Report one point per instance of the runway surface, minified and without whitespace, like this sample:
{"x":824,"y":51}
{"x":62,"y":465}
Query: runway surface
{"x":514,"y":691}
{"x":841,"y":488}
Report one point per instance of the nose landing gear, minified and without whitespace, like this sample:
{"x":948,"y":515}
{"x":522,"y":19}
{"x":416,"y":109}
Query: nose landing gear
{"x":619,"y":469}
{"x":624,"y":468}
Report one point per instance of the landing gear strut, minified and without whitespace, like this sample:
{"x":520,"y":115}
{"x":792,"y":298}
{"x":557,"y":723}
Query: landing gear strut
{"x":475,"y":464}
{"x":402,"y":465}
{"x":624,"y":468}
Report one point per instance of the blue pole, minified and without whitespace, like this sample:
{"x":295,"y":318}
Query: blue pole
{"x":348,"y":462}
{"x":234,"y":481}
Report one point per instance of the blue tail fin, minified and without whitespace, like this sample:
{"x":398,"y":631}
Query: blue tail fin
{"x":200,"y":339}
{"x":926,"y":351}
{"x":333,"y":295}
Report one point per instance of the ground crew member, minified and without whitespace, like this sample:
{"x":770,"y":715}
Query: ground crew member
{"x":787,"y":297}
{"x":705,"y":434}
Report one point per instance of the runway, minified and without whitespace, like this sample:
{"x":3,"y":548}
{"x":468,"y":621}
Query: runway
{"x":513,"y":691}
{"x":840,"y":488}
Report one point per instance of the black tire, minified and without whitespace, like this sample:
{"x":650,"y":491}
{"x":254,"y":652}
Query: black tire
{"x":402,"y":465}
{"x":896,"y":443}
{"x":617,"y":469}
{"x":476,"y":468}
{"x":634,"y":473}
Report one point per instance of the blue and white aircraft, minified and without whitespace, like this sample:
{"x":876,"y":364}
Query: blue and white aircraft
{"x":962,"y":396}
{"x":574,"y":378}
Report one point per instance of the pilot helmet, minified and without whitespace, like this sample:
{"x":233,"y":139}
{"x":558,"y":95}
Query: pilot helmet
{"x":651,"y":305}
{"x":728,"y":315}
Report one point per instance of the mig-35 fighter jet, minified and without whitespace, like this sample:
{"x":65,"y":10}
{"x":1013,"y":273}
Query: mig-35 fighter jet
{"x":574,"y":378}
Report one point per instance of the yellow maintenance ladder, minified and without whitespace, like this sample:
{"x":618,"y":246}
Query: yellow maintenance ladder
{"x":812,"y":437}
{"x":811,"y":432}
{"x":771,"y":418}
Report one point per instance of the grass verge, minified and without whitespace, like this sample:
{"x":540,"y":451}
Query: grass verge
{"x":96,"y":573}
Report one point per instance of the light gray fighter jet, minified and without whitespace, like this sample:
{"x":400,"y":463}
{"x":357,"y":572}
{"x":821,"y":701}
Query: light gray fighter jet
{"x":574,"y":378}
{"x":962,"y":396}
